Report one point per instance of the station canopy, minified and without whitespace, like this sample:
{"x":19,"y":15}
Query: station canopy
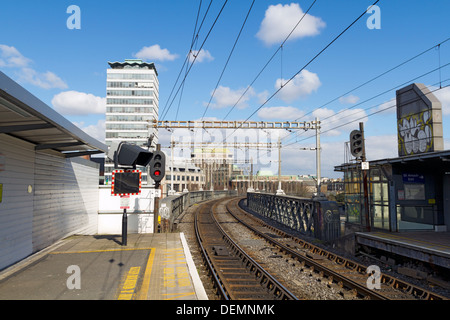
{"x":25,"y":117}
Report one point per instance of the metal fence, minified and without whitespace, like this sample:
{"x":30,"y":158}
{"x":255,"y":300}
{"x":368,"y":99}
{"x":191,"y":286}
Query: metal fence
{"x":315,"y":218}
{"x":177,"y":204}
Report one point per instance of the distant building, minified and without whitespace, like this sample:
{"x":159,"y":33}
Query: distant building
{"x":186,"y":176}
{"x":217,"y":165}
{"x":266,"y":181}
{"x":132,"y":102}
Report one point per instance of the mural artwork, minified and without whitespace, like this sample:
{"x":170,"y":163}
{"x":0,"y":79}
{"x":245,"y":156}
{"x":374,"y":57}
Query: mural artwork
{"x":419,"y":121}
{"x":415,"y":133}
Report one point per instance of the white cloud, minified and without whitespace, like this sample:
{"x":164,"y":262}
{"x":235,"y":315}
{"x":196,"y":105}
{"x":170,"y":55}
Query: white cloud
{"x":381,"y":147}
{"x":281,"y":113}
{"x":333,"y":154}
{"x":78,"y":103}
{"x":10,"y":57}
{"x":96,"y":131}
{"x":262,"y":96}
{"x":388,"y":106}
{"x":226,"y":97}
{"x":203,"y":55}
{"x":350,"y":99}
{"x":323,"y":113}
{"x":155,"y":53}
{"x":47,"y":80}
{"x":444,"y":97}
{"x":302,"y":85}
{"x":334,"y":123}
{"x":279,"y":21}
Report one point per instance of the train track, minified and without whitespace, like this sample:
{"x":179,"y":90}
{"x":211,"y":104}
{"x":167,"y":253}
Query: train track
{"x":238,"y":276}
{"x":235,"y":274}
{"x":335,"y":270}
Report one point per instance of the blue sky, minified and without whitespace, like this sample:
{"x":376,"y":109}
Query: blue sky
{"x":66,"y":68}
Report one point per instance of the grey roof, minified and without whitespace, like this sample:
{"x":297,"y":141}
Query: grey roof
{"x":25,"y":117}
{"x":428,"y":156}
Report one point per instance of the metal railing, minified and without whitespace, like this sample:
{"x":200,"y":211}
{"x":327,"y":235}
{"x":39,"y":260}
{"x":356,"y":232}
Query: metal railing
{"x":315,"y":218}
{"x":178,"y":204}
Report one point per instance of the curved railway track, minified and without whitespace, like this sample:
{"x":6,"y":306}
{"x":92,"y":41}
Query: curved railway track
{"x":334,"y":269}
{"x":237,"y":276}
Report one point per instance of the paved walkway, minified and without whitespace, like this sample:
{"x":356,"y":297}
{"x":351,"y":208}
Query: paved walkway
{"x":150,"y":267}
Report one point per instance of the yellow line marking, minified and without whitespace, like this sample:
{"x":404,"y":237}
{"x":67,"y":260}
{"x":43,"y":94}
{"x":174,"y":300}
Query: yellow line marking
{"x":97,"y":251}
{"x":147,"y":274}
{"x":129,"y":284}
{"x":173,"y":249}
{"x":178,"y":295}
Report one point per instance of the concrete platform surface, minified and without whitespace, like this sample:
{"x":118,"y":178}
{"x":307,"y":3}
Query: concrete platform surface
{"x":150,"y":267}
{"x":431,"y":247}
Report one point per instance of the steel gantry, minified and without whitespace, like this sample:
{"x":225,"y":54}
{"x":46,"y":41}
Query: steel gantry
{"x":212,"y":124}
{"x":207,"y":124}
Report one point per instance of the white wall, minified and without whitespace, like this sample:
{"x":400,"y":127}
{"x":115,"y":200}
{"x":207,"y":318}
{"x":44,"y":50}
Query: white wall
{"x":65,"y":198}
{"x":16,"y":208}
{"x":45,"y":198}
{"x":140,"y":213}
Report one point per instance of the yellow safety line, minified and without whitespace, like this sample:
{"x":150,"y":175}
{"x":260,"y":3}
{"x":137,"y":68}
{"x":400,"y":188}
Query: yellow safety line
{"x":178,"y":295}
{"x":147,"y":274}
{"x":129,"y":284}
{"x":97,"y":251}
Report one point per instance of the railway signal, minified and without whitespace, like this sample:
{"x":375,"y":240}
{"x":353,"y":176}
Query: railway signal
{"x":157,"y":166}
{"x":356,"y":143}
{"x":129,"y":155}
{"x":358,"y":150}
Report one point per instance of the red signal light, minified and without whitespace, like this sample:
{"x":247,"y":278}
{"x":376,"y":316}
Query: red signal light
{"x":157,"y":173}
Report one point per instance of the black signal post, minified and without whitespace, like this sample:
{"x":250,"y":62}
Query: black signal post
{"x":365,"y":183}
{"x":157,"y":171}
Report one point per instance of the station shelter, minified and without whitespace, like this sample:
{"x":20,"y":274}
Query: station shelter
{"x":405,"y":193}
{"x":48,"y":189}
{"x":411,"y":191}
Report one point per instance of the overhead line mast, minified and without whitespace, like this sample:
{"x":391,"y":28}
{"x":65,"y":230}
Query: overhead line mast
{"x":287,"y":125}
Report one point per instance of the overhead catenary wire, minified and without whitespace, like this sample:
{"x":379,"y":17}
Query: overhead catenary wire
{"x":195,"y":57}
{"x":309,"y":62}
{"x":229,"y":57}
{"x":376,"y":77}
{"x":193,"y":41}
{"x":194,"y":38}
{"x":270,"y":60}
{"x":289,"y":137}
{"x":368,"y":115}
{"x":371,"y":98}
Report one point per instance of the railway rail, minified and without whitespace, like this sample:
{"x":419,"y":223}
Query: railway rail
{"x":235,"y":274}
{"x":334,"y":269}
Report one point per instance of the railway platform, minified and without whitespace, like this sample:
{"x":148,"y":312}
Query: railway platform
{"x":151,"y":267}
{"x":429,"y":247}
